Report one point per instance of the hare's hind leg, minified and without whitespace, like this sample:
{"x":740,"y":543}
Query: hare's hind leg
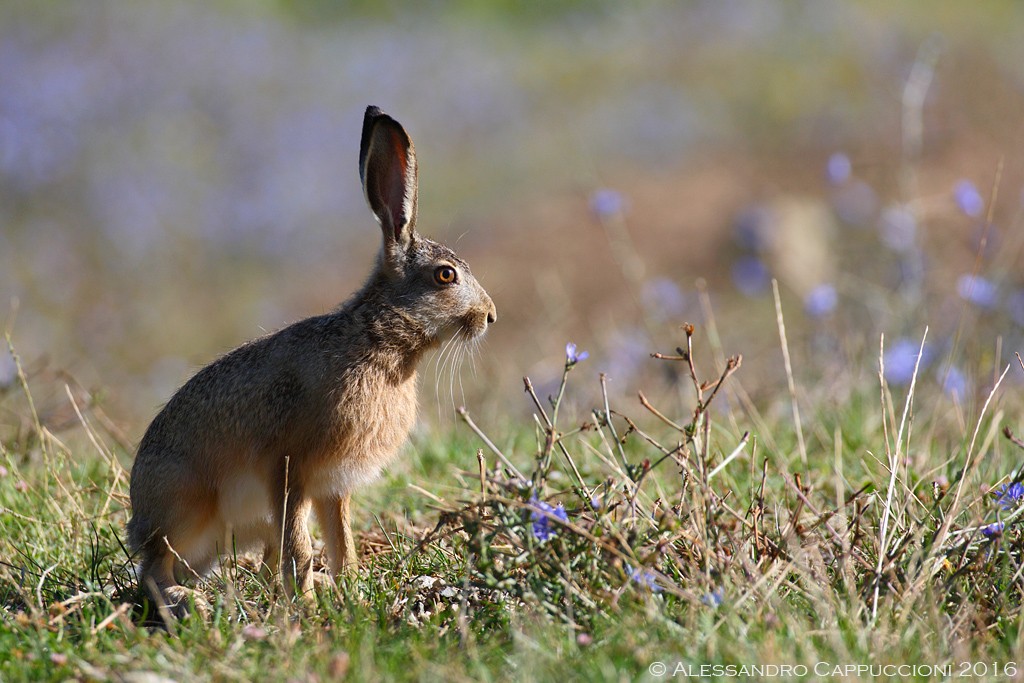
{"x":271,"y":563}
{"x":157,"y":576}
{"x":334,"y":514}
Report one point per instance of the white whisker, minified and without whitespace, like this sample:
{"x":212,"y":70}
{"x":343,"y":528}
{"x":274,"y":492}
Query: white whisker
{"x":449,"y":364}
{"x":432,"y":363}
{"x":456,"y":362}
{"x":433,"y":360}
{"x":443,"y":355}
{"x":451,"y":377}
{"x":462,"y":357}
{"x":474,"y":347}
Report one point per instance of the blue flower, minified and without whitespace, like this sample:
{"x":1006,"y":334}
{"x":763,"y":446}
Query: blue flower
{"x":606,"y":203}
{"x":993,"y":530}
{"x":8,"y":370}
{"x":838,"y":168}
{"x":954,"y":383}
{"x":625,"y":354}
{"x":855,"y":203}
{"x":753,"y":227}
{"x":900,"y":360}
{"x":968,"y":199}
{"x":821,"y":301}
{"x":714,"y":598}
{"x":663,"y":297}
{"x":1015,"y":306}
{"x":1010,"y":495}
{"x":977,"y":290}
{"x":541,"y":518}
{"x":750,"y":275}
{"x":644,"y":578}
{"x":572,"y":357}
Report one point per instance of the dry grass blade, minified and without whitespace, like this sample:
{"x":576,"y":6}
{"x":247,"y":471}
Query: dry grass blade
{"x":791,"y":383}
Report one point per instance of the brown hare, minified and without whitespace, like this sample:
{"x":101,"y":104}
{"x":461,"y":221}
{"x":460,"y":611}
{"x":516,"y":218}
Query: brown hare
{"x":297,"y":420}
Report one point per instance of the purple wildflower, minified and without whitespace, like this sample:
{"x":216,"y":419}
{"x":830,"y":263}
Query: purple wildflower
{"x":714,"y":598}
{"x":663,"y":297}
{"x":978,"y":290}
{"x":644,"y":578}
{"x":900,"y":360}
{"x":753,"y":227}
{"x":607,"y":203}
{"x":838,"y":168}
{"x":855,"y":203}
{"x":968,"y":199}
{"x":954,"y":383}
{"x":750,"y":275}
{"x":626,"y":352}
{"x":572,"y":357}
{"x":1015,"y":306}
{"x":1010,"y":495}
{"x":8,"y":370}
{"x":821,"y":301}
{"x":541,"y":518}
{"x":993,"y":530}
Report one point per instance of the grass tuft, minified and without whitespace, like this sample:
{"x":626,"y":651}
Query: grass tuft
{"x":595,"y":545}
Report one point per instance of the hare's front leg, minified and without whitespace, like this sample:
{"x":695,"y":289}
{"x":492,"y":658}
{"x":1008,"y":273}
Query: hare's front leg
{"x":333,"y":513}
{"x":297,"y":555}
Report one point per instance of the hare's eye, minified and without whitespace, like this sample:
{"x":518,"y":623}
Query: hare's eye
{"x":444,"y":275}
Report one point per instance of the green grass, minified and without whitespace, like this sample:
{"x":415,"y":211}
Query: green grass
{"x":767,"y":561}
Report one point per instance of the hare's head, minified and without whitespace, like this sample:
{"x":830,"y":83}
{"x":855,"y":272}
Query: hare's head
{"x":425,"y":280}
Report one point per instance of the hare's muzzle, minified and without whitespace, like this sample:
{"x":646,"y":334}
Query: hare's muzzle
{"x":481,"y":315}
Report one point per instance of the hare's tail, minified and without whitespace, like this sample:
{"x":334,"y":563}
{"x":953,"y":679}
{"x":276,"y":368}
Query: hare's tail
{"x":139,"y":532}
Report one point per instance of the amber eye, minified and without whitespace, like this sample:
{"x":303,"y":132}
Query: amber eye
{"x":444,"y":275}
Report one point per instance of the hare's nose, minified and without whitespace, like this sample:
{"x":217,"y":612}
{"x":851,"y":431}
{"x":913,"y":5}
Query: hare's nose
{"x":492,"y":315}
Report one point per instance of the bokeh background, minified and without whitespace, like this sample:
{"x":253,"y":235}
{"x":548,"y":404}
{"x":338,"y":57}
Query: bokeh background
{"x":176,"y":178}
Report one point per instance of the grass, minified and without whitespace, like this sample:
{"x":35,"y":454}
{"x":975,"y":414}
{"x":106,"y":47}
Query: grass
{"x":689,"y":534}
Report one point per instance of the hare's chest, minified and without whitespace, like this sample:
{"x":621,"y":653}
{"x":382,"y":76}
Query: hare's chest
{"x":370,"y":431}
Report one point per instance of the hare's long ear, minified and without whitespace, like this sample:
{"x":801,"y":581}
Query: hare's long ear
{"x":387,"y":168}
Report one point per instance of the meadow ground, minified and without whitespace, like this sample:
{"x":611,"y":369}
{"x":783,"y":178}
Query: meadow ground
{"x":701,"y":537}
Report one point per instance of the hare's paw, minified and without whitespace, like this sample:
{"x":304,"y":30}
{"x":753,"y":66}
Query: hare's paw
{"x":270,"y":566}
{"x":323,"y":581}
{"x":181,"y":601}
{"x":350,"y":567}
{"x":317,"y":582}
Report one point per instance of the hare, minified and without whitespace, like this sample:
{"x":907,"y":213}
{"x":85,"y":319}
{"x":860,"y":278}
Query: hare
{"x":297,"y":420}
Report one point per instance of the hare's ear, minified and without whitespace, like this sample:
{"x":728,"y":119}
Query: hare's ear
{"x":387,"y":168}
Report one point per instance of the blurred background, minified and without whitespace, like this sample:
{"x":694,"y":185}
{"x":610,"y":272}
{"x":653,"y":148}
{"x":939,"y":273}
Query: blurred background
{"x":177,"y":178}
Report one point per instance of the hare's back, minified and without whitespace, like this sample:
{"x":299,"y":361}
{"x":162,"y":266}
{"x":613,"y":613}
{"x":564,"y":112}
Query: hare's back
{"x":242,"y":401}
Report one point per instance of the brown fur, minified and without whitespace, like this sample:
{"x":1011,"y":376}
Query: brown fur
{"x":296,"y":420}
